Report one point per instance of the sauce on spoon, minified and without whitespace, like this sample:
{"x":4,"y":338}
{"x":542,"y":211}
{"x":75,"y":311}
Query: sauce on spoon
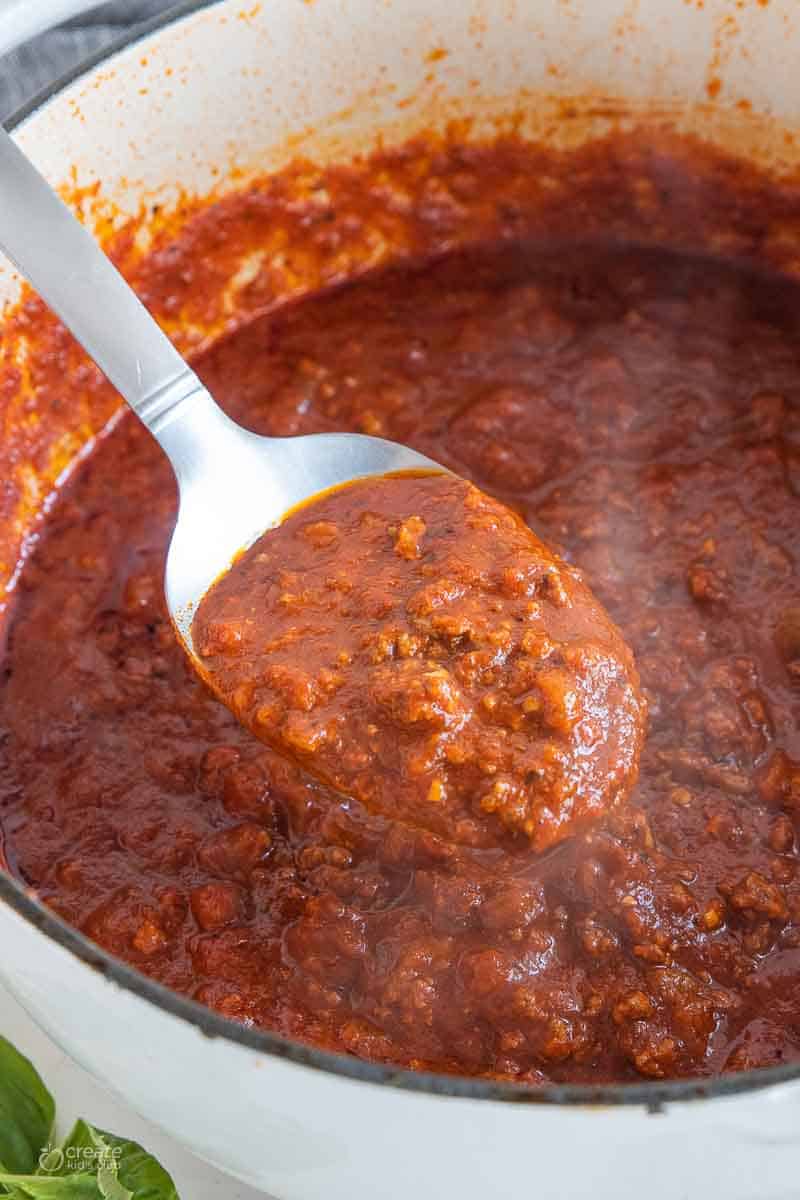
{"x":411,"y":642}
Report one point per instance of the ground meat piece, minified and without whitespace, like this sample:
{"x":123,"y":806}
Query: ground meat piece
{"x":787,"y":638}
{"x":234,"y":852}
{"x":413,"y":989}
{"x":779,"y":782}
{"x":543,"y":742}
{"x":328,"y":940}
{"x":754,"y":896}
{"x":215,"y":904}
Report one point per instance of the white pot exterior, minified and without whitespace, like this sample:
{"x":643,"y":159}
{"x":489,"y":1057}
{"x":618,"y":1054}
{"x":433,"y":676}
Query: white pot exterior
{"x":226,"y":87}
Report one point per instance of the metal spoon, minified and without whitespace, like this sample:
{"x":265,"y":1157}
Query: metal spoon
{"x":233,"y":484}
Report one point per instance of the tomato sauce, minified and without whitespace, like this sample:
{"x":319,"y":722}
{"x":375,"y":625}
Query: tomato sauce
{"x":414,"y":645}
{"x":640,"y":409}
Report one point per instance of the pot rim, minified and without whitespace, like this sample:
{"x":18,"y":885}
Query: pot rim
{"x":652,"y":1095}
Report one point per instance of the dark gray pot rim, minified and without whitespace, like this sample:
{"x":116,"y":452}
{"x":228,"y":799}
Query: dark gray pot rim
{"x":653,"y":1096}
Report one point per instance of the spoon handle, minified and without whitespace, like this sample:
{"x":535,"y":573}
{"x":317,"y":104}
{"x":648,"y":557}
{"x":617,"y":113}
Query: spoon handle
{"x":39,"y":234}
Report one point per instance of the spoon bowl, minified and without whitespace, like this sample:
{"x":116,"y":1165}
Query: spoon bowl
{"x":245,"y":486}
{"x":233,"y":484}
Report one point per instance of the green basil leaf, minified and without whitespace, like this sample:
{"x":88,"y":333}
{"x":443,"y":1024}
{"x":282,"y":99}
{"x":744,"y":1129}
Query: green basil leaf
{"x":87,"y":1150}
{"x":52,"y":1187}
{"x":110,"y":1186}
{"x":90,"y":1165}
{"x":136,"y":1172}
{"x":50,"y":1161}
{"x":81,"y":1153}
{"x":8,"y":1190}
{"x":27,"y":1111}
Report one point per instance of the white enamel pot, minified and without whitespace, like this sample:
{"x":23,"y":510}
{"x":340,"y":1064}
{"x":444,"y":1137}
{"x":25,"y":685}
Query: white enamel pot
{"x":242,"y":84}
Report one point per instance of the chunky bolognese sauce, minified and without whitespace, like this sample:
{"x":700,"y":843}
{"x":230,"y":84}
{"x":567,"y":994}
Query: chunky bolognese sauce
{"x":641,"y":410}
{"x":411,"y":642}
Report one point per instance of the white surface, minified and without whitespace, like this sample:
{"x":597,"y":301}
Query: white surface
{"x":78,"y":1095}
{"x":23,"y":19}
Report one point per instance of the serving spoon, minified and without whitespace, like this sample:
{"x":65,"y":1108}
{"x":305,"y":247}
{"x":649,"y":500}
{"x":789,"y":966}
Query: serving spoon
{"x":233,"y":484}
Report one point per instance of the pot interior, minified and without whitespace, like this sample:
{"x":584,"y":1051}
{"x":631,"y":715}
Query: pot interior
{"x":182,"y":130}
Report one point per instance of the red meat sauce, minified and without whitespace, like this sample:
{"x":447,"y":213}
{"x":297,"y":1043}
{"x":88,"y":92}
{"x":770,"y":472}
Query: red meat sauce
{"x":639,"y":410}
{"x":413,"y":644}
